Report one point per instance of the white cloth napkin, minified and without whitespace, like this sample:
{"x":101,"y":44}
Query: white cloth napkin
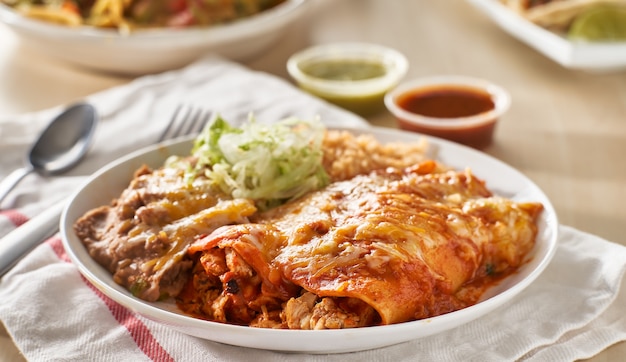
{"x":575,"y":309}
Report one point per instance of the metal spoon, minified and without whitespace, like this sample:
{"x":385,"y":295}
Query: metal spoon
{"x":59,"y":147}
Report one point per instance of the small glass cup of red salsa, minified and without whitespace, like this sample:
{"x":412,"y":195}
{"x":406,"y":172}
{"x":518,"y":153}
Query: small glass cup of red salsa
{"x":458,"y":108}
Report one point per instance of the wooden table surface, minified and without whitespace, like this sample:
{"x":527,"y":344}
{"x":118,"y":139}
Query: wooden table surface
{"x":566,"y":129}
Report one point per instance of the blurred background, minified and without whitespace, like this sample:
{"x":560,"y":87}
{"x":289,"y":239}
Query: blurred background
{"x":565,"y":130}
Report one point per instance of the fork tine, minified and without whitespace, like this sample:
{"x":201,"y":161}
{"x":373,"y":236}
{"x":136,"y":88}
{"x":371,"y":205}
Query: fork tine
{"x":182,"y":125}
{"x":204,"y":118}
{"x":170,"y":124}
{"x":194,"y":118}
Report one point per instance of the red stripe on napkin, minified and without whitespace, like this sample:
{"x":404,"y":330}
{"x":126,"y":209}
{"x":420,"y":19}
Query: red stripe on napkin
{"x":137,"y":329}
{"x":57,"y":246}
{"x":14,"y":216}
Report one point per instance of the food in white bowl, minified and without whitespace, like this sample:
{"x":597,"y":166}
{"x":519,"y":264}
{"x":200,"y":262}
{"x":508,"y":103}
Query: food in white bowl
{"x":578,"y":20}
{"x":111,"y":181}
{"x":156,"y":49}
{"x":294,"y":227}
{"x":126,"y":15}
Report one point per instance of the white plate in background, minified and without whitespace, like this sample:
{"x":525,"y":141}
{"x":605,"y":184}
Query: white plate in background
{"x":595,"y":57}
{"x":153,"y":50}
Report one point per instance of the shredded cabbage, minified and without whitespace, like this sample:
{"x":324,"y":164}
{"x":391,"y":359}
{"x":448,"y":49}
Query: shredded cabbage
{"x":270,"y":164}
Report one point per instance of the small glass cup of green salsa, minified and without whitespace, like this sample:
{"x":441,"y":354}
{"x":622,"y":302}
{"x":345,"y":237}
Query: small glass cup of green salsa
{"x":354,"y":76}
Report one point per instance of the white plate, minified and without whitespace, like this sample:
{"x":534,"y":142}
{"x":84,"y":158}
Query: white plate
{"x":597,"y":57}
{"x":109,"y":182}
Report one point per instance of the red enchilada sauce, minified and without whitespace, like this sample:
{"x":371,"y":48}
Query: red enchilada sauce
{"x":446,"y":103}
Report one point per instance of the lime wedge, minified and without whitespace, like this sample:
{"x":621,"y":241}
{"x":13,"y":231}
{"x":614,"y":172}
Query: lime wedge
{"x":604,"y":23}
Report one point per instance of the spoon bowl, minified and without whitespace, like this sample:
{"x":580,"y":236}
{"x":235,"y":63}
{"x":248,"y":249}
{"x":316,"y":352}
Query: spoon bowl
{"x":65,"y":141}
{"x":61,"y":145}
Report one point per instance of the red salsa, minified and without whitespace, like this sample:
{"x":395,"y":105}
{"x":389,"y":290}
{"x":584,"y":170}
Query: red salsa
{"x":449,"y":102}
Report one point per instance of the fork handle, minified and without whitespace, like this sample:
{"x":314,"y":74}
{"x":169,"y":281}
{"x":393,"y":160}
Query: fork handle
{"x":18,"y":242}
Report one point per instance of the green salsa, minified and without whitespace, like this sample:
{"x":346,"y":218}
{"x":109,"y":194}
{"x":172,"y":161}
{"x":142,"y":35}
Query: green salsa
{"x":344,"y":69}
{"x":363,"y":104}
{"x":364,"y":101}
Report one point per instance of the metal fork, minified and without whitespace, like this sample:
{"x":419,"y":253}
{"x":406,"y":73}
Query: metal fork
{"x":186,"y":120}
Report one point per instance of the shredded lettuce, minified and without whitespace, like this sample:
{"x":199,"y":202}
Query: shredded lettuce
{"x":269,"y":163}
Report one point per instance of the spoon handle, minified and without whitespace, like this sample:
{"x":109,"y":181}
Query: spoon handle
{"x":14,"y":245}
{"x":9,"y":182}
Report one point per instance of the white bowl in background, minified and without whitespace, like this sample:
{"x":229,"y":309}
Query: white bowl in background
{"x":153,"y":50}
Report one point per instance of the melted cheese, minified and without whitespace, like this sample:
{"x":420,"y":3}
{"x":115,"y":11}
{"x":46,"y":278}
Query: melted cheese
{"x":406,"y":244}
